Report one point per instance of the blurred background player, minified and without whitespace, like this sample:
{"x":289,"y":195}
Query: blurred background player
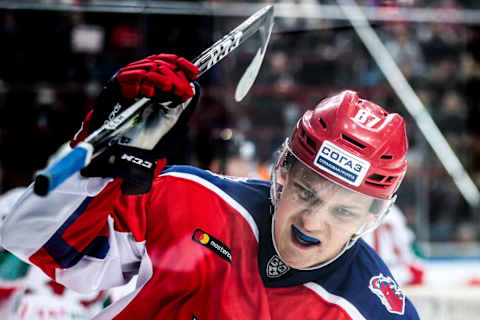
{"x":393,"y":241}
{"x":27,"y":293}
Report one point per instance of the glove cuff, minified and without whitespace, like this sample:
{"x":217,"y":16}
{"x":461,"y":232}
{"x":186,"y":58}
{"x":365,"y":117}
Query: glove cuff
{"x":136,"y":167}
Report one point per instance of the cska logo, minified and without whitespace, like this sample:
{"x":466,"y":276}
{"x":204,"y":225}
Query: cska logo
{"x":389,"y":293}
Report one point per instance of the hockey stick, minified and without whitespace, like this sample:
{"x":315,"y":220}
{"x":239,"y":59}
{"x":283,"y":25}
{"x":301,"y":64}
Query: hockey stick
{"x":261,"y":21}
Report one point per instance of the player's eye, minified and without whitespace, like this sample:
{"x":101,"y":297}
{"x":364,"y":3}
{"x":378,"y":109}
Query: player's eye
{"x":305,"y":194}
{"x":344,"y":213}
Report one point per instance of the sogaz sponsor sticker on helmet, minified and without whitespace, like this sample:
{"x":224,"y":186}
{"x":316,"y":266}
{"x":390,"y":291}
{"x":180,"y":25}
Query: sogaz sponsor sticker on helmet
{"x":341,"y":163}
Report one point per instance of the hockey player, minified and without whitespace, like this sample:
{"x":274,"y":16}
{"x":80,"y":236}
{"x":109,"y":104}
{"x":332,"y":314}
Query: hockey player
{"x":206,"y":246}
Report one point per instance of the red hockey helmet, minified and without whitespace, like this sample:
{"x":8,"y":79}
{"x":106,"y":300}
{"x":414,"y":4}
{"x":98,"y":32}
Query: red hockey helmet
{"x":353,"y":142}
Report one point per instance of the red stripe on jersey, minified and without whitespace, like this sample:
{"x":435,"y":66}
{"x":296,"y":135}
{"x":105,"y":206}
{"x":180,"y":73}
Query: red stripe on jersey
{"x":44,"y":261}
{"x":130,"y":215}
{"x":92,"y":222}
{"x":288,"y":303}
{"x":396,"y":250}
{"x":81,"y":233}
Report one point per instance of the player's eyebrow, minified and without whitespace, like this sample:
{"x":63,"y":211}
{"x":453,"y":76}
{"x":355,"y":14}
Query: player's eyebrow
{"x":304,"y":183}
{"x":310,"y":186}
{"x":307,"y":186}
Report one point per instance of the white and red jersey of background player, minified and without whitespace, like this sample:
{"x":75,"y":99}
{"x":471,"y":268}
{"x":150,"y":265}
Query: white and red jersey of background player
{"x":392,"y":240}
{"x":32,"y":295}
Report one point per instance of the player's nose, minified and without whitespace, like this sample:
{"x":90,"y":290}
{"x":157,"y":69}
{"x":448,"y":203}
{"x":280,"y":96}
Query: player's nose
{"x":314,"y":220}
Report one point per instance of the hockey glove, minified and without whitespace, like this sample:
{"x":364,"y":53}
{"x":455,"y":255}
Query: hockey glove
{"x":163,"y":78}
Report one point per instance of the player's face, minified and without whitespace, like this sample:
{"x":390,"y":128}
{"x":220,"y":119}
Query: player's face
{"x":315,"y":218}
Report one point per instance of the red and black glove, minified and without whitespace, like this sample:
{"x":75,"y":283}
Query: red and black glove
{"x":163,"y":77}
{"x":162,"y":72}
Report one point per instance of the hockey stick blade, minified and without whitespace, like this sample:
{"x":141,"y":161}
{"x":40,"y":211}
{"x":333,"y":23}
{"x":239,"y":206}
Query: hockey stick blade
{"x":250,"y":74}
{"x":260,"y":20}
{"x":50,"y":178}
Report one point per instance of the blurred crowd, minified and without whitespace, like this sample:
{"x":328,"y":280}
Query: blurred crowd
{"x":53,"y":64}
